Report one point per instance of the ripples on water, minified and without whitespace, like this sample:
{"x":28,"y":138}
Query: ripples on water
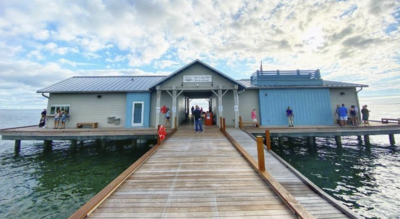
{"x":35,"y":184}
{"x":364,"y":179}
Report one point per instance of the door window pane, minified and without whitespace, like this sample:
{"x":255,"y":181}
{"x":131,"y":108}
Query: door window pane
{"x":137,"y":114}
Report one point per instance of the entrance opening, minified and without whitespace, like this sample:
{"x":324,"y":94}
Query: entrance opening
{"x":204,"y":100}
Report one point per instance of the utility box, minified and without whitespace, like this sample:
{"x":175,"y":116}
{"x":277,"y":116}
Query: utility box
{"x":209,"y":118}
{"x":117,"y":121}
{"x":111,"y":119}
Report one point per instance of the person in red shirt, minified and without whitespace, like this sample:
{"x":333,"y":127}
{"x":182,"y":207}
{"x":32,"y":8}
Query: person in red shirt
{"x":254,"y":116}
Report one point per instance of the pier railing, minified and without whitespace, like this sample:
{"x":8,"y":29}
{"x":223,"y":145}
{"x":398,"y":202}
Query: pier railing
{"x":93,"y":203}
{"x":305,"y":74}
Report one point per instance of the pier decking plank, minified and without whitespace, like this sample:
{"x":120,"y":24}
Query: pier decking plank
{"x":313,"y":202}
{"x":194,"y":175}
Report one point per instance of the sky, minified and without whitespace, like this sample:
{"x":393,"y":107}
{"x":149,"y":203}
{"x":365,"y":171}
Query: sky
{"x":43,"y":42}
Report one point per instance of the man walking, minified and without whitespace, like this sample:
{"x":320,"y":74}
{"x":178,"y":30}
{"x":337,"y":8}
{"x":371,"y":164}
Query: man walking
{"x":197,"y":120}
{"x":343,"y":115}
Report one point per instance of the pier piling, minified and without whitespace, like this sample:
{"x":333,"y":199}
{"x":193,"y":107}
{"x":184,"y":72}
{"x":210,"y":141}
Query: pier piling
{"x":48,"y":145}
{"x":311,"y":141}
{"x":366,"y":140}
{"x":17,"y":147}
{"x":391,"y":139}
{"x":338,"y":140}
{"x":260,"y":153}
{"x":134,"y":143}
{"x":73,"y":144}
{"x":280,"y":141}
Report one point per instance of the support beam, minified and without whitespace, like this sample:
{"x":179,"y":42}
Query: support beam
{"x":48,"y":145}
{"x":103,"y":145}
{"x":338,"y":140}
{"x":311,"y":141}
{"x":366,"y":140}
{"x":236,"y":106}
{"x":158,"y":106}
{"x":17,"y":146}
{"x":281,"y":140}
{"x":173,"y":107}
{"x":220,"y":107}
{"x":268,"y":139}
{"x":73,"y":145}
{"x":392,"y":139}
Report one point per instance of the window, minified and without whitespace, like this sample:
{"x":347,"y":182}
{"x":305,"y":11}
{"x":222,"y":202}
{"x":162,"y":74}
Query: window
{"x":137,"y":113}
{"x":54,"y":108}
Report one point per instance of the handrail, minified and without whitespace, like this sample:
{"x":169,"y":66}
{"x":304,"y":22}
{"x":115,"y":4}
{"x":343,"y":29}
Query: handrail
{"x":94,"y":202}
{"x":290,"y":201}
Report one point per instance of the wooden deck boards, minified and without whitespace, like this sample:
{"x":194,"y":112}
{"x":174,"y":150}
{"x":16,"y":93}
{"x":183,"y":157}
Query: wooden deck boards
{"x":313,"y":202}
{"x":194,"y":176}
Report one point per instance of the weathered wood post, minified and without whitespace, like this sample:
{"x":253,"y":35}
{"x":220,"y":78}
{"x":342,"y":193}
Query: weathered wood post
{"x":220,"y":123}
{"x":73,"y":145}
{"x":268,"y":139}
{"x":260,"y":153}
{"x":311,"y":141}
{"x":281,"y":141}
{"x":240,"y":122}
{"x":17,"y":146}
{"x":338,"y":140}
{"x":366,"y":140}
{"x":223,"y":122}
{"x":176,"y":124}
{"x":391,"y":139}
{"x":48,"y":145}
{"x":158,"y":136}
{"x":103,"y":145}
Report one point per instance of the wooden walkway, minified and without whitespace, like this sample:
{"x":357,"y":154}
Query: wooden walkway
{"x":195,"y":176}
{"x":312,"y":201}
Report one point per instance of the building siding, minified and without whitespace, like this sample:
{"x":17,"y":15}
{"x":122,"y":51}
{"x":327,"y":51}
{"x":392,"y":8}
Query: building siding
{"x":137,"y":97}
{"x":310,"y":106}
{"x":248,"y":101}
{"x":89,"y":108}
{"x":348,"y":98}
{"x":165,"y":100}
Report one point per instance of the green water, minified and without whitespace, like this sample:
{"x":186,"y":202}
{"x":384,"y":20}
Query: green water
{"x":35,"y":184}
{"x":366,"y":179}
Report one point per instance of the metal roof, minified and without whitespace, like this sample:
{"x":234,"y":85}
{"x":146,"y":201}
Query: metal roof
{"x":205,"y":65}
{"x":89,"y":84}
{"x":333,"y":84}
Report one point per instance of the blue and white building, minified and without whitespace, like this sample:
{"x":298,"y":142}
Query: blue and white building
{"x":135,"y":101}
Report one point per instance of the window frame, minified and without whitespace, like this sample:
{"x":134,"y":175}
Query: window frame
{"x":59,"y":106}
{"x":133,"y":114}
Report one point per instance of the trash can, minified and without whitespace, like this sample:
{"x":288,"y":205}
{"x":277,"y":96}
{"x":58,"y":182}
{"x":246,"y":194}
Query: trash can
{"x":209,"y":118}
{"x":111,"y":119}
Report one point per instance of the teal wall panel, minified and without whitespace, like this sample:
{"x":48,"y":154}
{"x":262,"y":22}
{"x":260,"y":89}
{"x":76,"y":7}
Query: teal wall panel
{"x":310,"y":106}
{"x":137,"y":97}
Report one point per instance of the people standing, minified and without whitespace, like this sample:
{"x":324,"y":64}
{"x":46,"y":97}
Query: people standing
{"x":197,"y":120}
{"x":192,"y":109}
{"x":167,"y":116}
{"x":63,"y":118}
{"x":343,"y":115}
{"x":42,"y":123}
{"x":290,"y":115}
{"x":353,"y":115}
{"x":365,"y":115}
{"x":254,"y":117}
{"x":337,"y":113}
{"x":57,"y":119}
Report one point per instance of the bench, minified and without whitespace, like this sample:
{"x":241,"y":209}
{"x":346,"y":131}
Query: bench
{"x":94,"y":125}
{"x":241,"y":123}
{"x":387,"y":120}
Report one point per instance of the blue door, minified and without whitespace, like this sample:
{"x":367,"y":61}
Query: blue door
{"x":310,"y":106}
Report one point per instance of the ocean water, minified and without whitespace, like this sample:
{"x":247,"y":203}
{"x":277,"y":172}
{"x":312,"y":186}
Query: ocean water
{"x":36,"y":184}
{"x":366,"y":179}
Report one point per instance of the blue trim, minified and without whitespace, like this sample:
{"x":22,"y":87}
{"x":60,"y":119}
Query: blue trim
{"x":137,"y":97}
{"x":310,"y":106}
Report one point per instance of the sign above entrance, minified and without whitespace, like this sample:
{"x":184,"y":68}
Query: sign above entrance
{"x":197,"y":78}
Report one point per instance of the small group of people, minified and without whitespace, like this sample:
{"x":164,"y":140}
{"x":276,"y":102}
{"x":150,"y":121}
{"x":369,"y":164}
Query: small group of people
{"x":60,"y":116}
{"x":42,"y":121}
{"x":342,"y":112}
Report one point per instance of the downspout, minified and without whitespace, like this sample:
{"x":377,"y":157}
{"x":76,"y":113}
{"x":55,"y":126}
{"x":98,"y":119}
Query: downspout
{"x":358,"y":103}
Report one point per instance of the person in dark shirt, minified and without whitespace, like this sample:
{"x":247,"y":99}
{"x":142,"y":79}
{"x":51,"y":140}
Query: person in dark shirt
{"x":290,"y":115}
{"x":197,"y":120}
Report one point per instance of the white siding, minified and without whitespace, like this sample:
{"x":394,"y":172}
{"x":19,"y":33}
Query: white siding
{"x":166,"y":100}
{"x":348,"y":98}
{"x":248,"y":101}
{"x":89,"y":108}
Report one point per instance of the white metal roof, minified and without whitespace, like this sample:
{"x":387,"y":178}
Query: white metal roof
{"x":89,"y":84}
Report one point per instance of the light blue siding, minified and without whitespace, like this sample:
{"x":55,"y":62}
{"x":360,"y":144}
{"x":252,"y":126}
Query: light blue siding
{"x":310,"y":106}
{"x":137,"y":97}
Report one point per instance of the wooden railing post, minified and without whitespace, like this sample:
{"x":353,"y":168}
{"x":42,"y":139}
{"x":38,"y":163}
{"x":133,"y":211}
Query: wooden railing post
{"x":220,"y":123}
{"x":240,"y":122}
{"x":158,"y":136}
{"x":223,"y":122}
{"x":260,"y":152}
{"x":268,"y":139}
